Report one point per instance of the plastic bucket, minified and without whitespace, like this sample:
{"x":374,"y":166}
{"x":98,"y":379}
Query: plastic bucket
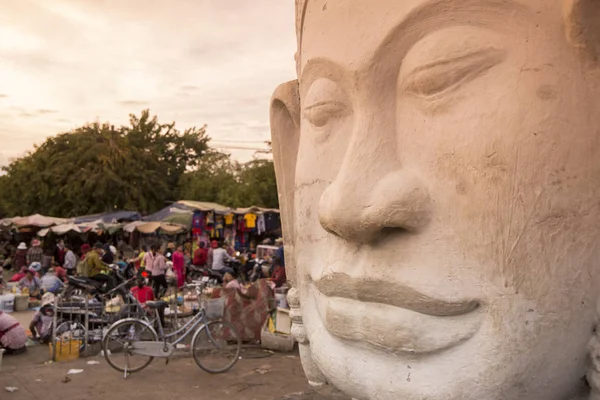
{"x":7,"y":303}
{"x":21,"y":303}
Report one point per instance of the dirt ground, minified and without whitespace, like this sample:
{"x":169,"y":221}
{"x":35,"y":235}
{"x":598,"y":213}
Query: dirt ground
{"x":259,"y":375}
{"x":271,"y":376}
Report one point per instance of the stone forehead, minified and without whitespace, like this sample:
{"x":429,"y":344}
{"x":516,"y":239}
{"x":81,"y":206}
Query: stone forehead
{"x":300,"y":13}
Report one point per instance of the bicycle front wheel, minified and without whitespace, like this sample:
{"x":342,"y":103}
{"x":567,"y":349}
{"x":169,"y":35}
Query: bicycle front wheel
{"x":216,"y":347}
{"x":118,"y":342}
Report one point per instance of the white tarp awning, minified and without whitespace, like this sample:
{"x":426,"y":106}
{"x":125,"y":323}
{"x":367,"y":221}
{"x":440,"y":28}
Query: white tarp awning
{"x":38,"y":220}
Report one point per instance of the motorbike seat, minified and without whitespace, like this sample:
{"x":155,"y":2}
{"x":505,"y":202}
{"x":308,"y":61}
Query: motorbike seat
{"x":157,"y":305}
{"x":80,"y":281}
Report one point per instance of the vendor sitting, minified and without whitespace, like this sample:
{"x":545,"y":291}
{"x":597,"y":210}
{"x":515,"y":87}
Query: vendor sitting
{"x":41,"y":324}
{"x":51,"y":283}
{"x":31,"y":282}
{"x":12,"y":335}
{"x":230,"y":282}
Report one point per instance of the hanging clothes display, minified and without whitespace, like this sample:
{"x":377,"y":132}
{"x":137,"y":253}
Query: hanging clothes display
{"x":272,"y":221}
{"x":250,"y":220}
{"x":210,"y":224}
{"x":219,"y":225}
{"x":229,"y":219}
{"x":197,"y":223}
{"x":260,"y":224}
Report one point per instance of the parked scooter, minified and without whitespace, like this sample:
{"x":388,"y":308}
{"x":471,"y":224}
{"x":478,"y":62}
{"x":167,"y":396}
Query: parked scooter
{"x":254,"y":270}
{"x":78,"y":285}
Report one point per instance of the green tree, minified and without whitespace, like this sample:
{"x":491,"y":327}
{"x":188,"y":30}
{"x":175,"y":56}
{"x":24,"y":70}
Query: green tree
{"x":98,"y":168}
{"x":257,"y":180}
{"x":219,"y":179}
{"x":214,"y":180}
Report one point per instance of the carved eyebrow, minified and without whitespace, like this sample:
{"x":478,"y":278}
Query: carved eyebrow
{"x":498,"y":15}
{"x":490,"y":54}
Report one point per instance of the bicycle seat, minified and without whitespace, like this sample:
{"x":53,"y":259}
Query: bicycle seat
{"x":158,"y":304}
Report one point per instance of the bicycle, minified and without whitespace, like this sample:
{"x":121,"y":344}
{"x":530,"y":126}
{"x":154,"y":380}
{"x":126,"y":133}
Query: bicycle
{"x":213,"y":340}
{"x":71,"y":315}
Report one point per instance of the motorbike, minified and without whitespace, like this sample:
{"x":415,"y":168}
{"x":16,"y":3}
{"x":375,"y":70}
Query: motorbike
{"x":78,"y":285}
{"x":195,"y":272}
{"x":254,"y":270}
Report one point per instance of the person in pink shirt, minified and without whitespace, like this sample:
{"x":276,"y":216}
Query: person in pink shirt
{"x":179,"y":266}
{"x":149,"y":259}
{"x":12,"y":335}
{"x":231,"y":282}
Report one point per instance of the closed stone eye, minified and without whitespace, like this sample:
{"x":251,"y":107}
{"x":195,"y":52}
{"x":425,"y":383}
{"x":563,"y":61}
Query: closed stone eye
{"x":319,"y":114}
{"x":448,"y":74}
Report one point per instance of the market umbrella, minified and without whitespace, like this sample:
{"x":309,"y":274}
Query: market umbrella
{"x":64,"y":228}
{"x":133,"y":226}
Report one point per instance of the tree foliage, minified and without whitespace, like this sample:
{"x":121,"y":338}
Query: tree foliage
{"x":140,"y":166}
{"x":221,"y":180}
{"x":99,"y":168}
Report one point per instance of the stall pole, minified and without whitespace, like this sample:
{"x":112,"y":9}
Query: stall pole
{"x":86,"y":327}
{"x":54,"y":317}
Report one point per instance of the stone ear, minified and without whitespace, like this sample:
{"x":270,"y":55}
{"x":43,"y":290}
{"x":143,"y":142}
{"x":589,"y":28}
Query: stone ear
{"x":285,"y":136}
{"x":582,"y":18}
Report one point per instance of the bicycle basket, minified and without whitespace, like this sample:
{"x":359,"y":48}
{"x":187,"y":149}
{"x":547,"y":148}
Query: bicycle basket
{"x":214,"y":308}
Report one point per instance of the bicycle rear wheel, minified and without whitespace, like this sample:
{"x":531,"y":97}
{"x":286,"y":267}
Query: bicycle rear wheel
{"x":117,"y":345}
{"x":216,"y":347}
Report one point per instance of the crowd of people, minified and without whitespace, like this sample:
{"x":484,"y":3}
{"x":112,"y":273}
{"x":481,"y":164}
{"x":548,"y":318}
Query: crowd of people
{"x":42,"y":278}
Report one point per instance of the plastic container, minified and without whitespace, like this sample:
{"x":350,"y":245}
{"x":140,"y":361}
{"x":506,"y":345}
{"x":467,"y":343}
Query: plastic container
{"x":215,"y":308}
{"x":7,"y":303}
{"x":21,"y":303}
{"x":65,"y":350}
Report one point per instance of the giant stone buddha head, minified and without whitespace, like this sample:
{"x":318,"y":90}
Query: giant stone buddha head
{"x":438,"y":164}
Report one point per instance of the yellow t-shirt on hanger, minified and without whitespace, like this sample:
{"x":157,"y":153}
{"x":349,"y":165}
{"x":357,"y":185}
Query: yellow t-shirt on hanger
{"x":250,"y":220}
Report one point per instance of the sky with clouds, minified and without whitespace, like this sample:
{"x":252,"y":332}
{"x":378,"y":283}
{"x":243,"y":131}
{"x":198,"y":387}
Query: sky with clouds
{"x":67,"y":62}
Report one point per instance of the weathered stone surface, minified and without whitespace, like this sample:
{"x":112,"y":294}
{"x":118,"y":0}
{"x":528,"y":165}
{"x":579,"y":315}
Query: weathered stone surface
{"x":328,"y":393}
{"x":438,"y":164}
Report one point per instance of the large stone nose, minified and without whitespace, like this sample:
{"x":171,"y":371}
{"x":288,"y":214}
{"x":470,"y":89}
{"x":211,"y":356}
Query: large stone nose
{"x":373,"y":191}
{"x":362,"y":211}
